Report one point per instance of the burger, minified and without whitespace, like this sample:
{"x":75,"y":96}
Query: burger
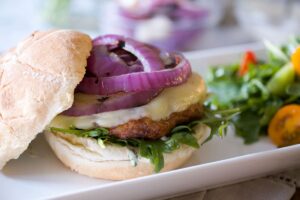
{"x":111,"y":108}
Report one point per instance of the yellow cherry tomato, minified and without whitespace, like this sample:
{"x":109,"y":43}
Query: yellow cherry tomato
{"x":284,"y":128}
{"x":296,"y":60}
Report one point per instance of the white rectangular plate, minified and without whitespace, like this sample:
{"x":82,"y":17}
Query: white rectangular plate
{"x":37,"y":174}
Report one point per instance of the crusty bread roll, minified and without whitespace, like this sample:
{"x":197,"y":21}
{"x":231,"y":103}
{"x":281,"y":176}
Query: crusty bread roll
{"x":37,"y":81}
{"x":86,"y":157}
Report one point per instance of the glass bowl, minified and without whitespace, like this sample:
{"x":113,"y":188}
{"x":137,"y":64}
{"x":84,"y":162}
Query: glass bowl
{"x":166,"y":24}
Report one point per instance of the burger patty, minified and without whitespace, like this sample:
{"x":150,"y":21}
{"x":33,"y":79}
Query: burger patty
{"x":150,"y":129}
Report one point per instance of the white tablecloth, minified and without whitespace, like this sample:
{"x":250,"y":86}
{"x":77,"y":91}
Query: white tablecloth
{"x":281,"y":186}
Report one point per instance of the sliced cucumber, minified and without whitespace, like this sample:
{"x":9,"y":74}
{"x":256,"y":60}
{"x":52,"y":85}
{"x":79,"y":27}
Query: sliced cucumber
{"x":281,"y":80}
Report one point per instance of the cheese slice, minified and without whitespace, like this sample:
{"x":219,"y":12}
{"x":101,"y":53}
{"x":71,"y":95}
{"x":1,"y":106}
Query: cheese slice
{"x":170,"y":100}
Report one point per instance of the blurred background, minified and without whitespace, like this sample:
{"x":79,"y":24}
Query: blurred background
{"x":183,"y":25}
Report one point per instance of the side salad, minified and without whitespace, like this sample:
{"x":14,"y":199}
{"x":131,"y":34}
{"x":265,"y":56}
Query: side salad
{"x":266,"y":92}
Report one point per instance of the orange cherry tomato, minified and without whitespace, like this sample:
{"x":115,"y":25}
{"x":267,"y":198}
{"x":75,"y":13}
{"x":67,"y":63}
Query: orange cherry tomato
{"x":296,"y":61}
{"x":284,"y":128}
{"x":249,"y":58}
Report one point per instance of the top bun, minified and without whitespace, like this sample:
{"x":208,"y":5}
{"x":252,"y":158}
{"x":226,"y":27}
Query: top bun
{"x":37,"y":82}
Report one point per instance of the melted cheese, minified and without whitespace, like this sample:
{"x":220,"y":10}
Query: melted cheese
{"x":170,"y":100}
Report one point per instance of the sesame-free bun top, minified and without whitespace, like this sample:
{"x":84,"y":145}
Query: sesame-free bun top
{"x":37,"y":82}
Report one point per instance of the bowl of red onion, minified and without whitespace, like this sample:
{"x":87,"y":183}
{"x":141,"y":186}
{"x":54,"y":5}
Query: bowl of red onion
{"x":172,"y":25}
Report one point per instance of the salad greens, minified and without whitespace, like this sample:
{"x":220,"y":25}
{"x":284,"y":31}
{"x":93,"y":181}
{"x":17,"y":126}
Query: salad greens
{"x":262,"y":89}
{"x":154,"y":149}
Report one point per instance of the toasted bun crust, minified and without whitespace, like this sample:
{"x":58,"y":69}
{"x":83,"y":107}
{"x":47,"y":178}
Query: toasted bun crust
{"x":86,"y":157}
{"x":37,"y":81}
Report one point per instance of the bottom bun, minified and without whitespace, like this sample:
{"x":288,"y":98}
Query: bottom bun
{"x":87,"y":157}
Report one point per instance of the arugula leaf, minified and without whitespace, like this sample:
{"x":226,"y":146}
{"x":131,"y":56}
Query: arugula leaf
{"x":246,"y":126}
{"x":97,"y":132}
{"x":154,"y":149}
{"x":180,"y":138}
{"x":218,"y":121}
{"x":224,"y":92}
{"x":269,"y":111}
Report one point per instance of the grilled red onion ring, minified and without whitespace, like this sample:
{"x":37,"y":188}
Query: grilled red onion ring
{"x":139,"y":81}
{"x":147,"y":56}
{"x":111,"y":103}
{"x":136,"y":70}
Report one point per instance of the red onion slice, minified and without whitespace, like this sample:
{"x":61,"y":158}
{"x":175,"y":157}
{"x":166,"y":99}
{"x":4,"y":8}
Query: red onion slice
{"x":101,"y":63}
{"x":171,"y":8}
{"x":148,"y":57}
{"x":137,"y":82}
{"x":111,"y":103}
{"x":136,"y":70}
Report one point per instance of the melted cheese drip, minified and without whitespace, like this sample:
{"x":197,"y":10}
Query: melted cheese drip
{"x":170,"y":100}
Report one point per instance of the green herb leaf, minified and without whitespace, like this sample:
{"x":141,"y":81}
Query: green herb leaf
{"x":247,"y":126}
{"x":218,"y":121}
{"x":269,"y":111}
{"x":153,"y":150}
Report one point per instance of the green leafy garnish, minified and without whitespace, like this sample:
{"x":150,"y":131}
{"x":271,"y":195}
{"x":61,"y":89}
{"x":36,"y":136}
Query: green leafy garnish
{"x":154,"y":149}
{"x":259,"y":93}
{"x":217,"y":121}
